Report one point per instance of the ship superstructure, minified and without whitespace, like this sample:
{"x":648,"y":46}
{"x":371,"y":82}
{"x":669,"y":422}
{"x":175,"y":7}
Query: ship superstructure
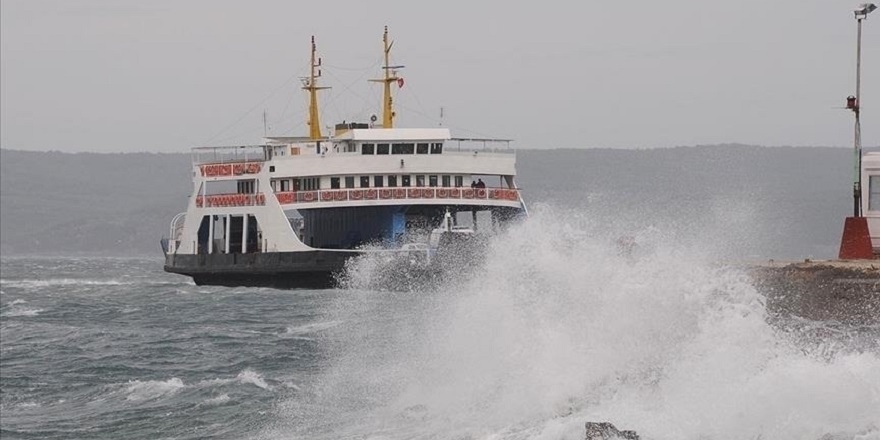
{"x":290,"y":211}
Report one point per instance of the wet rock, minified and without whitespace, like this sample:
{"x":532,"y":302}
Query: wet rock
{"x":607,"y":431}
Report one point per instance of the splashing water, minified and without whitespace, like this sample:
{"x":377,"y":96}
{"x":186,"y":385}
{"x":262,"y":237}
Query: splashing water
{"x":555,"y":328}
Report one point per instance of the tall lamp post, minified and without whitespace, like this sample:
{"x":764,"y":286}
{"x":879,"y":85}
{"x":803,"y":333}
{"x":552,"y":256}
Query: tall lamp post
{"x":856,"y":241}
{"x":854,"y":103}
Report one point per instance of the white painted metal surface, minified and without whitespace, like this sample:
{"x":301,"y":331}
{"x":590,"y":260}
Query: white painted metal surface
{"x":871,"y":195}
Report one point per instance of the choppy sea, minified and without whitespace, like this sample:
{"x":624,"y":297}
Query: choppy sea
{"x":554,"y":328}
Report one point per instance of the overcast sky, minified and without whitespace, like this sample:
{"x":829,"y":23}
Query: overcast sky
{"x":163,"y":76}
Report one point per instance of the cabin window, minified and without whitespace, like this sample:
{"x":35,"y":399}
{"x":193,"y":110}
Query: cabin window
{"x":459,"y":181}
{"x":422,"y":148}
{"x":446,"y":181}
{"x":365,"y":181}
{"x":437,"y":148}
{"x":349,"y":147}
{"x":306,"y":184}
{"x":246,"y":186}
{"x":392,"y":181}
{"x":378,"y":181}
{"x":349,"y":181}
{"x":404,"y":180}
{"x":285,"y":185}
{"x":874,"y":193}
{"x":382,"y":149}
{"x":334,"y":183}
{"x":402,"y":148}
{"x":432,"y":180}
{"x":420,"y":180}
{"x":368,"y":149}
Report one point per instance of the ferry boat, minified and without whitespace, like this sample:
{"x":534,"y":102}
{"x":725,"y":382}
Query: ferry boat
{"x":291,"y":211}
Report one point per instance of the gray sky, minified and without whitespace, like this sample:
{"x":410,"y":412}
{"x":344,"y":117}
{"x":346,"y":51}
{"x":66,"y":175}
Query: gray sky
{"x":167,"y":75}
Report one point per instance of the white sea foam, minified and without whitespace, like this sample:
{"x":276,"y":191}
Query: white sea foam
{"x":152,"y":389}
{"x":251,"y":377}
{"x":306,"y":329}
{"x":218,"y":400}
{"x":558,"y":329}
{"x":21,"y":311}
{"x":17,"y":301}
{"x":53,"y":282}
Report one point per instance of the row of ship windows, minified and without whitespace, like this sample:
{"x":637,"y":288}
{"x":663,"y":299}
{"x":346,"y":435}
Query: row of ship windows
{"x":394,"y":180}
{"x":403,"y":148}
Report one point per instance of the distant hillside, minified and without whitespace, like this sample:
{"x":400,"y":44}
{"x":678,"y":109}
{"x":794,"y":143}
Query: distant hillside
{"x":749,"y":201}
{"x":116,"y":204}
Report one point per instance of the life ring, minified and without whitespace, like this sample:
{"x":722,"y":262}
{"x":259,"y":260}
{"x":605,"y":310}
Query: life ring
{"x":428,"y":193}
{"x":414,"y":193}
{"x":326,"y":196}
{"x":341,"y":195}
{"x":400,"y":193}
{"x":309,"y":196}
{"x":454,"y":193}
{"x":442,"y":193}
{"x":481,"y":193}
{"x":356,"y":194}
{"x":238,"y":169}
{"x":386,"y":193}
{"x":468,"y":193}
{"x":512,"y":195}
{"x":261,"y":199}
{"x":370,"y":194}
{"x":253,"y":168}
{"x":199,"y":201}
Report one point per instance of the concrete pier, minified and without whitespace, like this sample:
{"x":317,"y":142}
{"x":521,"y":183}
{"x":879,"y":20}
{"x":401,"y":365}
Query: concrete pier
{"x":839,"y":290}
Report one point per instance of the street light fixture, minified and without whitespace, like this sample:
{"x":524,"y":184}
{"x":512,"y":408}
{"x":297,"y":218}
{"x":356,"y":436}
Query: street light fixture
{"x":864,"y":9}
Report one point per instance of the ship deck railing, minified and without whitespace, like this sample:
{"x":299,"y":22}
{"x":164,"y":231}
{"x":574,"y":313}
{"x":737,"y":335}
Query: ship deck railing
{"x":361,"y":194}
{"x":479,"y":144}
{"x":230,"y":154}
{"x":263,"y":152}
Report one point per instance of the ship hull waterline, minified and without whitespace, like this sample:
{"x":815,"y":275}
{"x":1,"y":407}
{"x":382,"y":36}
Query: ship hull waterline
{"x":309,"y":269}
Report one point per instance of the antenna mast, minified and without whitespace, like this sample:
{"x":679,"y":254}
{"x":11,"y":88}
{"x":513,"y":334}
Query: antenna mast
{"x":390,"y":77}
{"x":311,"y":84}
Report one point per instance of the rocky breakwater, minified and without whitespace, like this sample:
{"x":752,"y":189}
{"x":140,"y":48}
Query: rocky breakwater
{"x":832,"y":290}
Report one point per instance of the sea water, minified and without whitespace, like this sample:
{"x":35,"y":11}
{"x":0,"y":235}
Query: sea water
{"x":553,"y":327}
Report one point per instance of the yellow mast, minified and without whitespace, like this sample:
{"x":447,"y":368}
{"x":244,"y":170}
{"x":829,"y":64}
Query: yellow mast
{"x":390,"y":77}
{"x":312,"y":86}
